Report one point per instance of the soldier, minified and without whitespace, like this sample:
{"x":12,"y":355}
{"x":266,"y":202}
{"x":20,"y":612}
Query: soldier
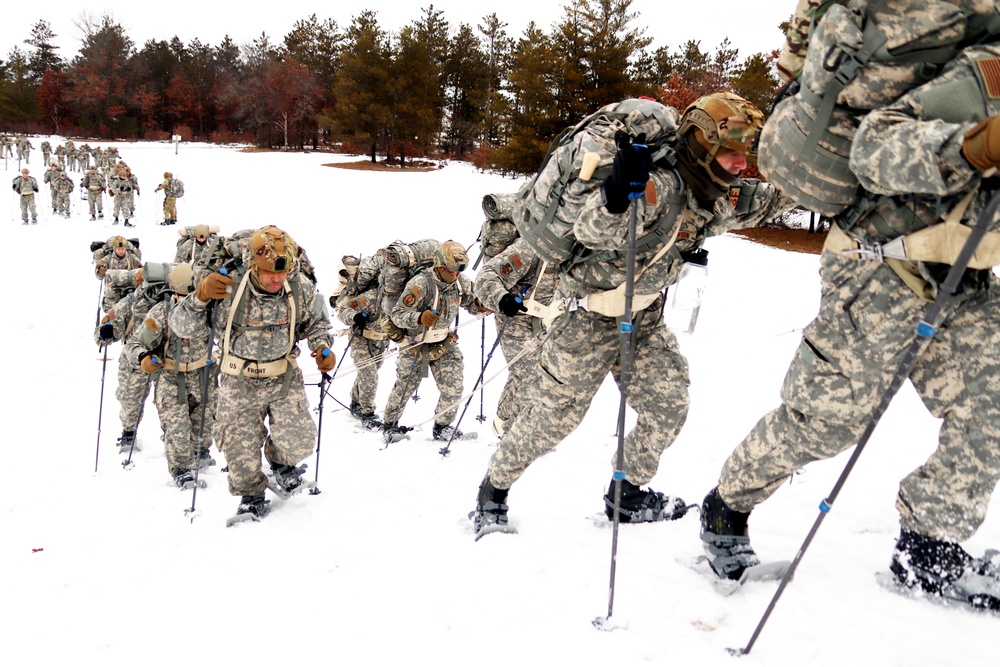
{"x":117,"y":186}
{"x":506,"y":282}
{"x":51,"y":176}
{"x":427,"y":309}
{"x":46,"y":151}
{"x":83,"y":157}
{"x":116,"y":255}
{"x":24,"y":149}
{"x":178,"y":365}
{"x":584,"y":344}
{"x":933,"y":151}
{"x":93,"y":183}
{"x":61,"y":156}
{"x":8,"y":145}
{"x":120,"y":322}
{"x":172,"y":189}
{"x":26,"y":186}
{"x":259,"y":320}
{"x":360,"y":309}
{"x":196,"y":244}
{"x":131,"y":192}
{"x":63,"y":188}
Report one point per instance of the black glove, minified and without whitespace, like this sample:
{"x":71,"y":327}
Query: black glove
{"x":360,"y":320}
{"x":107,"y":332}
{"x":629,"y":172}
{"x":36,"y":189}
{"x":511,"y":305}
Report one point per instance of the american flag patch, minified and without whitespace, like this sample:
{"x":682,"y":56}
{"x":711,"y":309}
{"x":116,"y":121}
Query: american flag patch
{"x":989,"y":69}
{"x":515,"y":259}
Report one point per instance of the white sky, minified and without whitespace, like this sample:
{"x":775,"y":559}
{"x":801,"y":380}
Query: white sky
{"x":670,"y":23}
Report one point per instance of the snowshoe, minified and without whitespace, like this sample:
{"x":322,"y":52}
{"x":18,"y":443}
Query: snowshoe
{"x":725,"y":538}
{"x":946,"y":570}
{"x":185,"y":480}
{"x":394,"y":433}
{"x":490,"y":515}
{"x":370,"y":421}
{"x":127,"y":443}
{"x":204,"y":459}
{"x":643,"y":505}
{"x":251,"y":508}
{"x":447,"y":432}
{"x":288,"y":478}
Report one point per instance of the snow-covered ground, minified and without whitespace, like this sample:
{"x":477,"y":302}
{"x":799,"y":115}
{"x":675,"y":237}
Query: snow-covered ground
{"x":381,"y":568}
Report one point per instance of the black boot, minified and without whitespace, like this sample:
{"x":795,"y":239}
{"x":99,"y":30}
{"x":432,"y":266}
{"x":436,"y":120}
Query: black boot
{"x":444,"y":432}
{"x":491,"y":507}
{"x":255,"y":505}
{"x":289,"y":478}
{"x":393,"y":432}
{"x":127,"y":442}
{"x":643,"y":505}
{"x":370,"y":421}
{"x":355,"y":409}
{"x":203,"y":458}
{"x":726,"y":538}
{"x":946,"y":570}
{"x":183,"y":478}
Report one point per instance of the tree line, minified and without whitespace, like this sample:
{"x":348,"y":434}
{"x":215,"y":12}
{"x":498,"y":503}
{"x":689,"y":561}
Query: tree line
{"x":426,"y":90}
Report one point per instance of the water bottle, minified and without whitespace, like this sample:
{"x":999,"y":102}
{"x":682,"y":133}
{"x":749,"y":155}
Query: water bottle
{"x":687,"y":292}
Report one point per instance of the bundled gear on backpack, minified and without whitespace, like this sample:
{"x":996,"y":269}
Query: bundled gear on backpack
{"x":400,"y":262}
{"x":498,"y":230}
{"x":860,"y":57}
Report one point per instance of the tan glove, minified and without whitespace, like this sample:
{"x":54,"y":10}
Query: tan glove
{"x":428,"y":318}
{"x":326,"y":363}
{"x":137,"y":278}
{"x":102,"y":267}
{"x":214,"y":286}
{"x":150,"y":364}
{"x":981,"y":144}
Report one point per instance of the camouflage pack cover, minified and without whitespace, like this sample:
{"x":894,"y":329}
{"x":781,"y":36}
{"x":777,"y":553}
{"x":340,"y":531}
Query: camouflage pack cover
{"x":861,"y":56}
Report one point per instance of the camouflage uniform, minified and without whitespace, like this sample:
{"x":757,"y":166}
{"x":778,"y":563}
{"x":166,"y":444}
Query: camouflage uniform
{"x":26,"y":186}
{"x":131,"y":191}
{"x":367,"y":345}
{"x":83,"y":157}
{"x":120,"y":188}
{"x":24,"y":150}
{"x":64,"y":188}
{"x":46,"y":152}
{"x":868,"y":315}
{"x":178,"y":393}
{"x":426,"y":291}
{"x":116,"y":286}
{"x":260,"y":334}
{"x":171,"y":190}
{"x":190,"y":249}
{"x":516,"y":270}
{"x":50,"y":177}
{"x":95,"y":186}
{"x":7,"y":144}
{"x":61,"y":156}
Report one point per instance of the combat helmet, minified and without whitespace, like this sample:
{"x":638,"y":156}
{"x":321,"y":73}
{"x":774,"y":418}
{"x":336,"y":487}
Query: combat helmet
{"x":452,"y":256}
{"x":181,"y":279}
{"x":271,"y":249}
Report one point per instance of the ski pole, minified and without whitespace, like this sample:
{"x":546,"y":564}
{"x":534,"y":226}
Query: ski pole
{"x":100,"y":296}
{"x":446,"y":450}
{"x":191,"y":512}
{"x":100,"y":405}
{"x":127,"y":463}
{"x":314,"y":491}
{"x":482,"y":364}
{"x":925,"y":330}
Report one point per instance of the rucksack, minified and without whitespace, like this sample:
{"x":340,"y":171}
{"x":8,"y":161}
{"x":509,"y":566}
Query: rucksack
{"x":859,"y":59}
{"x":402,"y":261}
{"x":178,"y":188}
{"x":498,"y":230}
{"x":537,"y":213}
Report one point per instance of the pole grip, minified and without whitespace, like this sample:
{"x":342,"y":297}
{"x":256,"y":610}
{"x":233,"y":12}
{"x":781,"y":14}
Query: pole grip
{"x":590,"y":162}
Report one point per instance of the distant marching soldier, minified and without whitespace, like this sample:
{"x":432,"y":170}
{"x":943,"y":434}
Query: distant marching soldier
{"x":26,"y":186}
{"x":95,"y":186}
{"x":46,"y":152}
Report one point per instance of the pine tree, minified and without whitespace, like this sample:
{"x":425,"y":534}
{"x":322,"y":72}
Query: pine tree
{"x":44,"y":56}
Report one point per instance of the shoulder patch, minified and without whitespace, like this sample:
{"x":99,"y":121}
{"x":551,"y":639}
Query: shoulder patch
{"x":989,"y":68}
{"x":683,"y":236}
{"x":416,"y":290}
{"x":409,"y":300}
{"x":515,"y":259}
{"x":354,"y":303}
{"x":506,"y":269}
{"x":362,"y":301}
{"x":151,"y":324}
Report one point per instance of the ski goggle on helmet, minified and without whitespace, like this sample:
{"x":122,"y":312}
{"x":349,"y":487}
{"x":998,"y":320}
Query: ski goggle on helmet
{"x":272,"y":250}
{"x":451,"y":255}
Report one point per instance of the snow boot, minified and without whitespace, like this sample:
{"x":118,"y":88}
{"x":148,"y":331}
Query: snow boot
{"x":288,"y":478}
{"x":394,"y":433}
{"x":34,"y":221}
{"x":255,"y":505}
{"x":100,"y":216}
{"x":725,"y":538}
{"x":127,"y":442}
{"x":128,"y":224}
{"x":355,"y":409}
{"x":113,"y":223}
{"x":446,"y":432}
{"x":643,"y":505}
{"x":183,"y":477}
{"x":370,"y":421}
{"x":490,"y":514}
{"x":203,"y":458}
{"x":946,"y":570}
{"x":93,"y":218}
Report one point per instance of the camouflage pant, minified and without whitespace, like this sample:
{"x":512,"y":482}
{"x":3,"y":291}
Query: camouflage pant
{"x":95,"y":200}
{"x":28,"y":204}
{"x":576,"y":355}
{"x":447,"y":372}
{"x":169,"y":208}
{"x":45,"y":159}
{"x":259,"y":416}
{"x":845,"y":362}
{"x":367,"y":357}
{"x":519,"y":335}
{"x":62,"y":202}
{"x":130,"y":202}
{"x":133,"y":388}
{"x":180,"y":411}
{"x":122,"y":206}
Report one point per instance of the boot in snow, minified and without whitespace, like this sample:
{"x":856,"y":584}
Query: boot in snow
{"x":289,"y":478}
{"x":490,"y":515}
{"x":946,"y":570}
{"x":127,"y":442}
{"x":394,"y":433}
{"x":725,"y":538}
{"x":255,"y":505}
{"x":203,"y":459}
{"x":444,"y":433}
{"x":643,"y":505}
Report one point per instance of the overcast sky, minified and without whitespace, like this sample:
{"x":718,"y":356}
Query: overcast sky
{"x":669,"y":22}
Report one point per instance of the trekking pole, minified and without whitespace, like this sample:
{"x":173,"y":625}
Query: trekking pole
{"x":482,"y":364}
{"x":100,"y":405}
{"x":625,"y":329}
{"x":100,"y":297}
{"x":191,"y":512}
{"x":446,"y":450}
{"x":127,"y":463}
{"x":314,"y":491}
{"x":925,"y":330}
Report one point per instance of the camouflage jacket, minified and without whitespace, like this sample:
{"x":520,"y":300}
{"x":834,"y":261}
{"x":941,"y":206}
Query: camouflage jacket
{"x":199,"y":254}
{"x":50,"y":177}
{"x":117,"y":185}
{"x":61,"y":150}
{"x":515,"y":270}
{"x":64,"y":185}
{"x":260,"y":329}
{"x":93,"y":181}
{"x":425,"y":291}
{"x":914,"y":147}
{"x":154,"y":336}
{"x":46,"y":147}
{"x":170,"y":187}
{"x":25,"y":186}
{"x":349,"y":305}
{"x":127,"y":313}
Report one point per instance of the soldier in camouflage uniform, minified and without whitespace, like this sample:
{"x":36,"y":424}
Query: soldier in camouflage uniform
{"x":172,"y":189}
{"x":50,"y":177}
{"x":427,"y":309}
{"x":121,"y":321}
{"x":26,"y":186}
{"x":506,"y":282}
{"x":64,"y":188}
{"x":83,"y":157}
{"x":61,"y":156}
{"x":932,"y":146}
{"x":583,"y":345}
{"x":360,"y":310}
{"x":196,"y":244}
{"x":120,"y":189}
{"x":46,"y":152}
{"x":95,"y":186}
{"x":24,"y":149}
{"x":117,"y":254}
{"x":7,"y":145}
{"x":258,"y":321}
{"x":178,"y":366}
